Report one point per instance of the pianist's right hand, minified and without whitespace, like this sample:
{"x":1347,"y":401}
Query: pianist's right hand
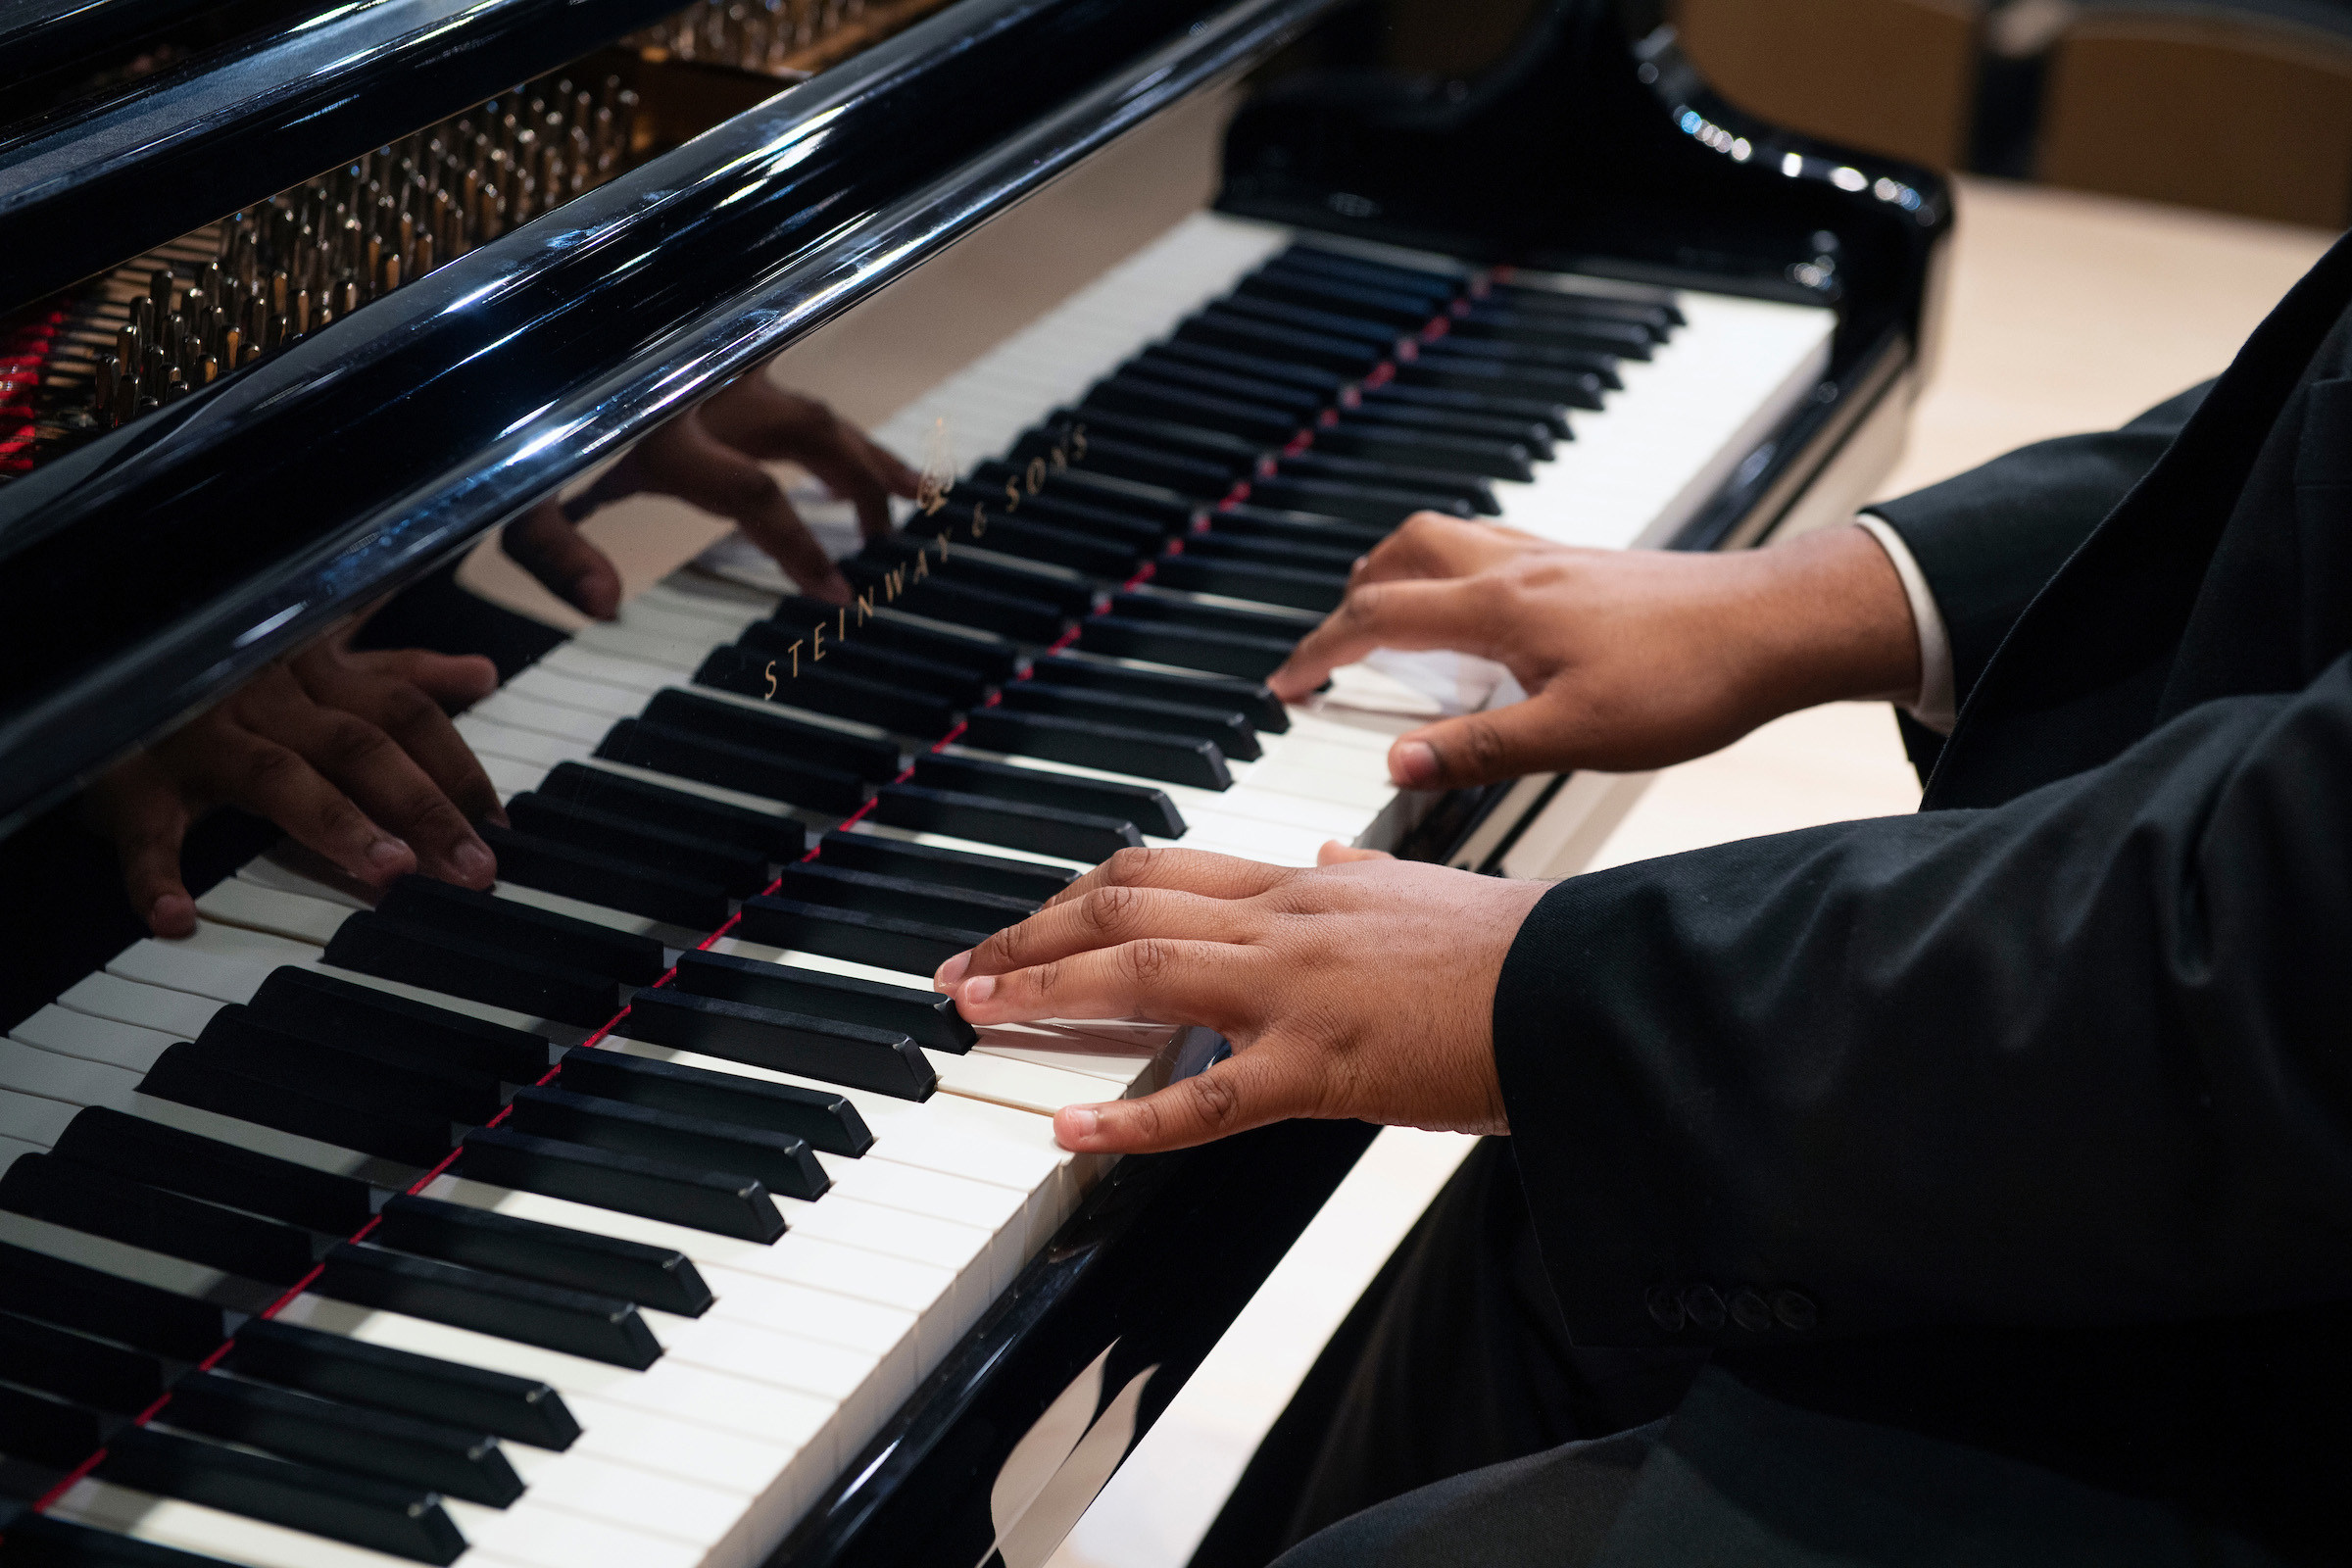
{"x":1633,"y":659}
{"x":351,"y":753}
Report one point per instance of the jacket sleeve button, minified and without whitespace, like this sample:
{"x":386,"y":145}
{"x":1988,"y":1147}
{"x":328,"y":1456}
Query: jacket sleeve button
{"x":1705,"y":1307}
{"x":1749,"y":1311}
{"x":1794,"y":1311}
{"x":1665,"y":1309}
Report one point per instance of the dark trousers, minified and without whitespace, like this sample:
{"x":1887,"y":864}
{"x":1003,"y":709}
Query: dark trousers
{"x":1452,"y":1421}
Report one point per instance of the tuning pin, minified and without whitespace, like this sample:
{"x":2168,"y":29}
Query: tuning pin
{"x":302,"y":312}
{"x":208,"y":370}
{"x":232,"y":348}
{"x":102,"y":386}
{"x":327,"y":318}
{"x":159,"y":289}
{"x":175,"y":385}
{"x":425,"y":254}
{"x":391,"y":273}
{"x":282,"y":331}
{"x":487,"y":222}
{"x":129,"y":339}
{"x":127,"y":399}
{"x":348,"y":300}
{"x":279,"y":286}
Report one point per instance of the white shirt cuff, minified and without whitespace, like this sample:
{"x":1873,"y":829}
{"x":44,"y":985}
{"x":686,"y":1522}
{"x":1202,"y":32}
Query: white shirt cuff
{"x":1935,"y":706}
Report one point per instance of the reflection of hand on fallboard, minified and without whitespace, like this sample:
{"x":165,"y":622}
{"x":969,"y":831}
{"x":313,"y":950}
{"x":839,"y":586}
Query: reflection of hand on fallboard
{"x":711,"y":456}
{"x":351,"y":754}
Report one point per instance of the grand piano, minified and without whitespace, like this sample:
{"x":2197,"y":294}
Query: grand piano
{"x":646,"y":1210}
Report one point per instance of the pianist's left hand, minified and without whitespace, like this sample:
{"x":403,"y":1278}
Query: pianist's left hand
{"x":351,"y":753}
{"x":710,"y":457}
{"x":1359,"y":989}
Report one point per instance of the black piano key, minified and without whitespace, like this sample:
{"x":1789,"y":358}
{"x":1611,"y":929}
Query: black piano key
{"x":599,"y":1328}
{"x":1407,"y":419}
{"x":687,"y":755}
{"x":1335,"y":559}
{"x":1325,"y":384}
{"x":1041,"y":830}
{"x":1147,"y":808}
{"x":1138,"y":534}
{"x":396,"y":1449}
{"x":144,"y":1150}
{"x":400,"y":1521}
{"x":1585,"y":335}
{"x":185,"y":1076}
{"x":1153,"y":400}
{"x":1401,"y":312}
{"x":86,"y":1371}
{"x":1550,"y":412}
{"x":783,"y":1163}
{"x":1331,"y":324}
{"x":1172,"y":510}
{"x":826,"y":1121}
{"x":1364,"y":271}
{"x":1069,"y":591}
{"x":326,"y":1007}
{"x":1165,"y":642}
{"x":425,"y":955}
{"x":963,"y":604}
{"x":959,"y":685}
{"x":853,"y":1056}
{"x":613,"y":881}
{"x":948,"y":868}
{"x":1297,"y":404}
{"x":1113,"y":748}
{"x":902,"y":898}
{"x":1316,"y":528}
{"x":988,"y":657}
{"x":926,"y":1018}
{"x":1124,"y":458}
{"x":37,"y":1541}
{"x":1493,"y":459}
{"x":628,"y":1183}
{"x":1234,"y":455}
{"x":1253,"y":579}
{"x":1383,"y":506}
{"x":1660,"y":317}
{"x":1253,"y":335}
{"x":780,"y":838}
{"x":733,"y":869}
{"x":887,"y":942}
{"x":552,"y":1254}
{"x":819,"y":687}
{"x":238,"y":1040}
{"x":1030,"y":538}
{"x":46,"y":1430}
{"x":1461,"y":373}
{"x":869,"y":757}
{"x":1520,"y":357}
{"x":1380,"y":474}
{"x":385,"y":1379}
{"x":1250,"y":699}
{"x":1229,"y":730}
{"x":51,"y":1289}
{"x":1152,"y":603}
{"x":627,"y":957}
{"x":97,"y":1202}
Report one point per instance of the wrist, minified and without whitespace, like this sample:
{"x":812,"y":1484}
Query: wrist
{"x":1830,"y":622}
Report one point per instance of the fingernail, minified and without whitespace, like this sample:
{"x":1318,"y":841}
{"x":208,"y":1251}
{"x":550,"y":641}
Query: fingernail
{"x":474,"y":861}
{"x":980,"y":990}
{"x":1414,"y":764}
{"x":174,"y":914}
{"x":385,"y":853}
{"x":952,"y":972}
{"x":1080,"y":1121}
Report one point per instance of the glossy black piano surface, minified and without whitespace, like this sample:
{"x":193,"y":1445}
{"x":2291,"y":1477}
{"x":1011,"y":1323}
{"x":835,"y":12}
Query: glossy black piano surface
{"x":608,"y":211}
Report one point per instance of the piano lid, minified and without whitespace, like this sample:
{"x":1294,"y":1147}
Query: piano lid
{"x":151,"y":570}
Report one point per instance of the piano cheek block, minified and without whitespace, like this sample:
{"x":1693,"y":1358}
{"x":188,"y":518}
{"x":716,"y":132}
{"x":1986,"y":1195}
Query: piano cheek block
{"x":390,"y":949}
{"x":846,"y":1053}
{"x":600,"y":1328}
{"x":627,"y":1183}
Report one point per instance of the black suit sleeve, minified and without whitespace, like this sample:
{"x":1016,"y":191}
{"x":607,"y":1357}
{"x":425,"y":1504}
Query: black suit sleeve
{"x":1987,"y":540}
{"x":2081,"y":1058}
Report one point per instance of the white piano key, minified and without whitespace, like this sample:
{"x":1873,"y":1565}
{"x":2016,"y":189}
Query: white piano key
{"x":174,"y":965}
{"x":555,"y":689}
{"x":529,"y":1536}
{"x":516,"y":710}
{"x":509,"y":777}
{"x":664,"y":647}
{"x":727,"y":1459}
{"x":292,"y":915}
{"x":106,"y":996}
{"x":588,"y":1486}
{"x":34,"y":1118}
{"x":275,"y":869}
{"x":576,"y":659}
{"x":488,"y":737}
{"x":10,"y":1147}
{"x":75,"y":1034}
{"x":75,"y":1080}
{"x":232,"y":1537}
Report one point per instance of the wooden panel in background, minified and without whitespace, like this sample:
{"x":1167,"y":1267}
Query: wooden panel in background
{"x":1894,"y":76}
{"x":2238,"y":114}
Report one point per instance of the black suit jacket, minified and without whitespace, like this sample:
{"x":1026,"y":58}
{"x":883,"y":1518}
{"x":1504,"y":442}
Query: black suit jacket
{"x":2028,"y":1119}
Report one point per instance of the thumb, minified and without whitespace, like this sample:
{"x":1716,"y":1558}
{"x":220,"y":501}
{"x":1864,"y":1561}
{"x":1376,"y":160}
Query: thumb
{"x":1476,"y":748}
{"x":1258,"y":1086}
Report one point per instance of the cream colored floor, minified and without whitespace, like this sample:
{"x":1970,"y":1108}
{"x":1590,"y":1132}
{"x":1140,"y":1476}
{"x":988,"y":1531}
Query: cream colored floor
{"x":2067,"y":312}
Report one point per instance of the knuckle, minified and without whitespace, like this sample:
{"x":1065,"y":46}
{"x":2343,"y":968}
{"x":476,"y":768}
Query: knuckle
{"x":1145,"y":963}
{"x":1130,"y":866}
{"x":1111,"y":908}
{"x":1479,"y":746}
{"x":1214,"y":1101}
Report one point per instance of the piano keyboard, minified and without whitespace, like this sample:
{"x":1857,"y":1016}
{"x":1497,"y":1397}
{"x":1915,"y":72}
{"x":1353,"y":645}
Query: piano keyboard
{"x":605,"y":1219}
